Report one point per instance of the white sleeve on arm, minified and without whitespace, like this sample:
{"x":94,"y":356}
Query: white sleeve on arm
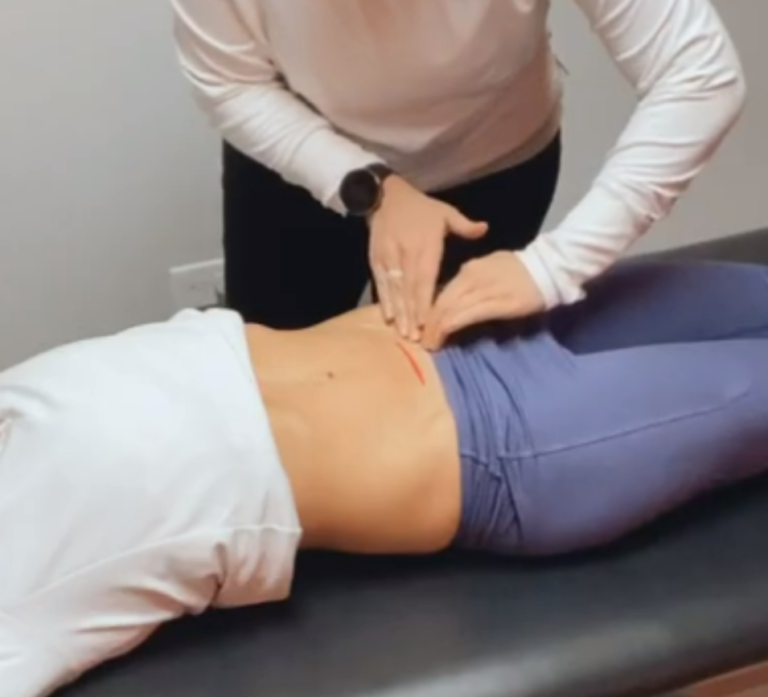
{"x":234,"y":80}
{"x":688,"y":78}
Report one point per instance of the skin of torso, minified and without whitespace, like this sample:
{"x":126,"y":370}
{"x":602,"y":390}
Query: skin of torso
{"x":364,"y":432}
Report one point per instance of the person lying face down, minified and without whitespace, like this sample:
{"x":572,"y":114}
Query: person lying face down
{"x":181,"y":466}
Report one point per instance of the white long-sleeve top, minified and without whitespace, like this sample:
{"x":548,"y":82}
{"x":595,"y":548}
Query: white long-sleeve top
{"x":445,"y":91}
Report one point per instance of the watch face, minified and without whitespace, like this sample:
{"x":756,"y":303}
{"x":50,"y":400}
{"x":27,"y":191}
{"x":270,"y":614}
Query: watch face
{"x":360,"y":192}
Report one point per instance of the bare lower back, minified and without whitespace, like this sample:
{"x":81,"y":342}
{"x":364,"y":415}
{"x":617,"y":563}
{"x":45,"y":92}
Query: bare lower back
{"x":364,"y":432}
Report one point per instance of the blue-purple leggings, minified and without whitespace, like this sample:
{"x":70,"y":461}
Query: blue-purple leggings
{"x":580,"y":426}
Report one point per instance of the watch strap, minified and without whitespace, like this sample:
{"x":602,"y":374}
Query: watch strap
{"x":380,"y":170}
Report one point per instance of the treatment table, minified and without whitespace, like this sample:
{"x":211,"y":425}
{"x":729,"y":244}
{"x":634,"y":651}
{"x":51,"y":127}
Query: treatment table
{"x":680,"y":603}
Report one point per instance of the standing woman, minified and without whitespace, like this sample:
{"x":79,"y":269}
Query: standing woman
{"x":400,"y":140}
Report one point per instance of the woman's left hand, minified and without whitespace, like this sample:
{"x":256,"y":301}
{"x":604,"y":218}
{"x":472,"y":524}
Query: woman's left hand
{"x":494,"y":287}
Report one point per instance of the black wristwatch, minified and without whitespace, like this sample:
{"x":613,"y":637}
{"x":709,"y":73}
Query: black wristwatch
{"x":362,"y":189}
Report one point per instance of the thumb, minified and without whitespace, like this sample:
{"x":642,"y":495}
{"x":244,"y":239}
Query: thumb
{"x":462,"y":226}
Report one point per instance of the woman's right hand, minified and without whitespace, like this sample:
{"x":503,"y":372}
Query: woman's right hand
{"x":407,"y":238}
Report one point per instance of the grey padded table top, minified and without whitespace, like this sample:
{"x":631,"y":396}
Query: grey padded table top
{"x":685,"y":599}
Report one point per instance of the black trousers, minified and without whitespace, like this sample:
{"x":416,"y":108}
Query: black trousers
{"x":291,"y":263}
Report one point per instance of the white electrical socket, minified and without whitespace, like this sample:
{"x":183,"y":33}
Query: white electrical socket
{"x":198,"y":285}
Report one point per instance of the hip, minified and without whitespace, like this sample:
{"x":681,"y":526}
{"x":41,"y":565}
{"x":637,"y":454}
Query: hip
{"x":489,"y":382}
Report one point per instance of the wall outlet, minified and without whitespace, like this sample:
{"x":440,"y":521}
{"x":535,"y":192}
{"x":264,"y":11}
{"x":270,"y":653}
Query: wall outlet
{"x":198,"y":286}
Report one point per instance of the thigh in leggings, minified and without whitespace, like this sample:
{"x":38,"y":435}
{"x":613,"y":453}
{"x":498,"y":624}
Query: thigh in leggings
{"x":620,"y":415}
{"x":617,"y":438}
{"x":643,"y":302}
